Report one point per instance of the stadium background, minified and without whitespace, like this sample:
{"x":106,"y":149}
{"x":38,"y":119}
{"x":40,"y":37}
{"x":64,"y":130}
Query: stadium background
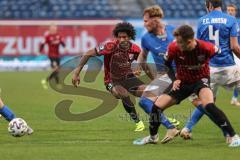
{"x":84,"y":24}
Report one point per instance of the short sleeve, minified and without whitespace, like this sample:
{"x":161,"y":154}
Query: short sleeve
{"x":234,"y":29}
{"x":170,"y":52}
{"x":105,"y":48}
{"x":144,"y":44}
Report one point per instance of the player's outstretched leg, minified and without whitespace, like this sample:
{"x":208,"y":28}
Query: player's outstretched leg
{"x":130,"y":109}
{"x":9,"y":115}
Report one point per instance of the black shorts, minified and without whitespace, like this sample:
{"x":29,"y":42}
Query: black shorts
{"x":186,"y":90}
{"x":54,"y":61}
{"x":130,"y":83}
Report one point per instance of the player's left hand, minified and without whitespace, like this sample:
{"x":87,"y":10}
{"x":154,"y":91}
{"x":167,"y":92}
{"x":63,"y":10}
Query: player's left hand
{"x":176,"y":85}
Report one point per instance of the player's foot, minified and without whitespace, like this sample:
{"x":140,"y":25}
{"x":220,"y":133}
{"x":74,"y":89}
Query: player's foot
{"x":235,"y":141}
{"x":147,"y":140}
{"x":186,"y":134}
{"x":235,"y":102}
{"x":171,"y":133}
{"x":29,"y":131}
{"x":228,"y":139}
{"x":44,"y":83}
{"x":139,"y":126}
{"x":174,"y":121}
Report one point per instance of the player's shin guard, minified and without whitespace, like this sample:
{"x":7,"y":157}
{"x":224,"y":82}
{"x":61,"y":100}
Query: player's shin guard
{"x":154,"y":120}
{"x":129,"y":107}
{"x":7,"y":113}
{"x":147,"y":105}
{"x":220,"y":118}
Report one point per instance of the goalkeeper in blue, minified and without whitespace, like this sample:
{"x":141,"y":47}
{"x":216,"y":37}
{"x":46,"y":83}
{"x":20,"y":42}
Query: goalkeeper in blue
{"x":156,"y":41}
{"x":222,"y":30}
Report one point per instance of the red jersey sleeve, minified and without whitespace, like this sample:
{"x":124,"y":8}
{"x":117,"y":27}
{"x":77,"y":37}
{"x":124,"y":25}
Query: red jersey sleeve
{"x":45,"y":41}
{"x":134,"y":52}
{"x":171,"y":52}
{"x":105,"y":48}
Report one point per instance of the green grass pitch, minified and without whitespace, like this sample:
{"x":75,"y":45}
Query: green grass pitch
{"x":106,"y":138}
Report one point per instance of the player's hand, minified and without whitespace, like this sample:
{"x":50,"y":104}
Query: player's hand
{"x":75,"y":80}
{"x":176,"y":85}
{"x":137,"y":71}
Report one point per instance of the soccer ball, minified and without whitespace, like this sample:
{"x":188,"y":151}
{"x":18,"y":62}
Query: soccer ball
{"x":17,"y":127}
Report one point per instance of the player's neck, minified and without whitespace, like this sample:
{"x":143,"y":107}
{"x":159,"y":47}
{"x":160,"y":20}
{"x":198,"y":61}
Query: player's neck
{"x":161,"y":29}
{"x":217,"y":9}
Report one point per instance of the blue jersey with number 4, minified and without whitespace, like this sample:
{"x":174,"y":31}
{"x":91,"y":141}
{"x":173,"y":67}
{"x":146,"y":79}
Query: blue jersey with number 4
{"x":158,"y":45}
{"x":217,"y":27}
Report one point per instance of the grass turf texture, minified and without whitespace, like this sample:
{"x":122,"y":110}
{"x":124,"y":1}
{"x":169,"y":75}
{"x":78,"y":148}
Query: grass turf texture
{"x":107,"y":137}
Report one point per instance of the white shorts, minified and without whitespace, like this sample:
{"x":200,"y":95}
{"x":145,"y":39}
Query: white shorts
{"x":227,"y":77}
{"x":159,"y":85}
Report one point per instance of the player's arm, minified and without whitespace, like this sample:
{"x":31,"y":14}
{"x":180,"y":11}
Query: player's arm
{"x":235,"y":46}
{"x":83,"y":61}
{"x":234,"y":39}
{"x":168,"y":60}
{"x":142,"y":61}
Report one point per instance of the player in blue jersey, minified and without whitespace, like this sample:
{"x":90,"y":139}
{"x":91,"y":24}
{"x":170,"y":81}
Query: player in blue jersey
{"x":232,"y":10}
{"x":156,"y":41}
{"x":220,"y":29}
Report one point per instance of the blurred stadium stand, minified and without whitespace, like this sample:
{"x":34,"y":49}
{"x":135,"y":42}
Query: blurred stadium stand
{"x":82,"y":9}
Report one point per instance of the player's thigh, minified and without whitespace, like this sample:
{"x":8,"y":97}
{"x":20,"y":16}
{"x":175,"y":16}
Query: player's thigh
{"x":157,"y":87}
{"x":119,"y":91}
{"x":206,"y":96}
{"x":165,"y":101}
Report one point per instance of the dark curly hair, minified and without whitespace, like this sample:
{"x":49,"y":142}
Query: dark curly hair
{"x":126,"y":28}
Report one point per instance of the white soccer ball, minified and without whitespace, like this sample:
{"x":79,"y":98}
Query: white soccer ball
{"x":17,"y":127}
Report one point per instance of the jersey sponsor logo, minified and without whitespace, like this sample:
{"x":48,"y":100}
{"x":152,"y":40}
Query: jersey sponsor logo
{"x":201,"y":58}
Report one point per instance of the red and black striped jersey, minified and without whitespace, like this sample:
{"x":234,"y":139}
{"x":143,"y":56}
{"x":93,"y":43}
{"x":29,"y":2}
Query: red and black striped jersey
{"x":191,"y":66}
{"x":117,"y":59}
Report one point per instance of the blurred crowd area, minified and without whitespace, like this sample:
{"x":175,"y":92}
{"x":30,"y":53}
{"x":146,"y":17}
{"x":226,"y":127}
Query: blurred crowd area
{"x":92,"y":9}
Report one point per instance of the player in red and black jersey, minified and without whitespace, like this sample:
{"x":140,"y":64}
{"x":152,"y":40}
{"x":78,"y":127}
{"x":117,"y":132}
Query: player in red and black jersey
{"x":119,"y":78}
{"x":53,"y":40}
{"x":192,"y":58}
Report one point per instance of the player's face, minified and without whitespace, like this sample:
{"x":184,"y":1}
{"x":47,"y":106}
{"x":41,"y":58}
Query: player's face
{"x":185,"y":45}
{"x":53,"y":29}
{"x":122,"y":36}
{"x":150,"y":23}
{"x":232,"y":11}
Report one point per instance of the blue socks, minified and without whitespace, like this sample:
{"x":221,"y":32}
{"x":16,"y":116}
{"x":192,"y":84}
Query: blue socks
{"x":7,"y":113}
{"x":146,"y":104}
{"x":195,"y":117}
{"x":235,"y":93}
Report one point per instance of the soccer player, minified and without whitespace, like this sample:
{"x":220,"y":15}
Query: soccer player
{"x":53,"y":40}
{"x":9,"y":115}
{"x":232,"y":10}
{"x":220,"y":29}
{"x":156,"y":41}
{"x":192,"y":58}
{"x":119,"y":78}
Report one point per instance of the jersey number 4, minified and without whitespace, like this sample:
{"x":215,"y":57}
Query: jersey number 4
{"x":213,"y":35}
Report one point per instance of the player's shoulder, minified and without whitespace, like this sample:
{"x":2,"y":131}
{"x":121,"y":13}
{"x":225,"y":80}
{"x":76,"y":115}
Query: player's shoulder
{"x":108,"y":45}
{"x":170,"y":27}
{"x":173,"y":45}
{"x":205,"y":45}
{"x":135,"y":48}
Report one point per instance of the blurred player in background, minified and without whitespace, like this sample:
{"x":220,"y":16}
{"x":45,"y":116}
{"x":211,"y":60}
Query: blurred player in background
{"x":156,"y":41}
{"x":53,"y":40}
{"x":192,"y":58}
{"x":9,"y":115}
{"x":220,"y":29}
{"x":119,"y":78}
{"x":232,"y":10}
